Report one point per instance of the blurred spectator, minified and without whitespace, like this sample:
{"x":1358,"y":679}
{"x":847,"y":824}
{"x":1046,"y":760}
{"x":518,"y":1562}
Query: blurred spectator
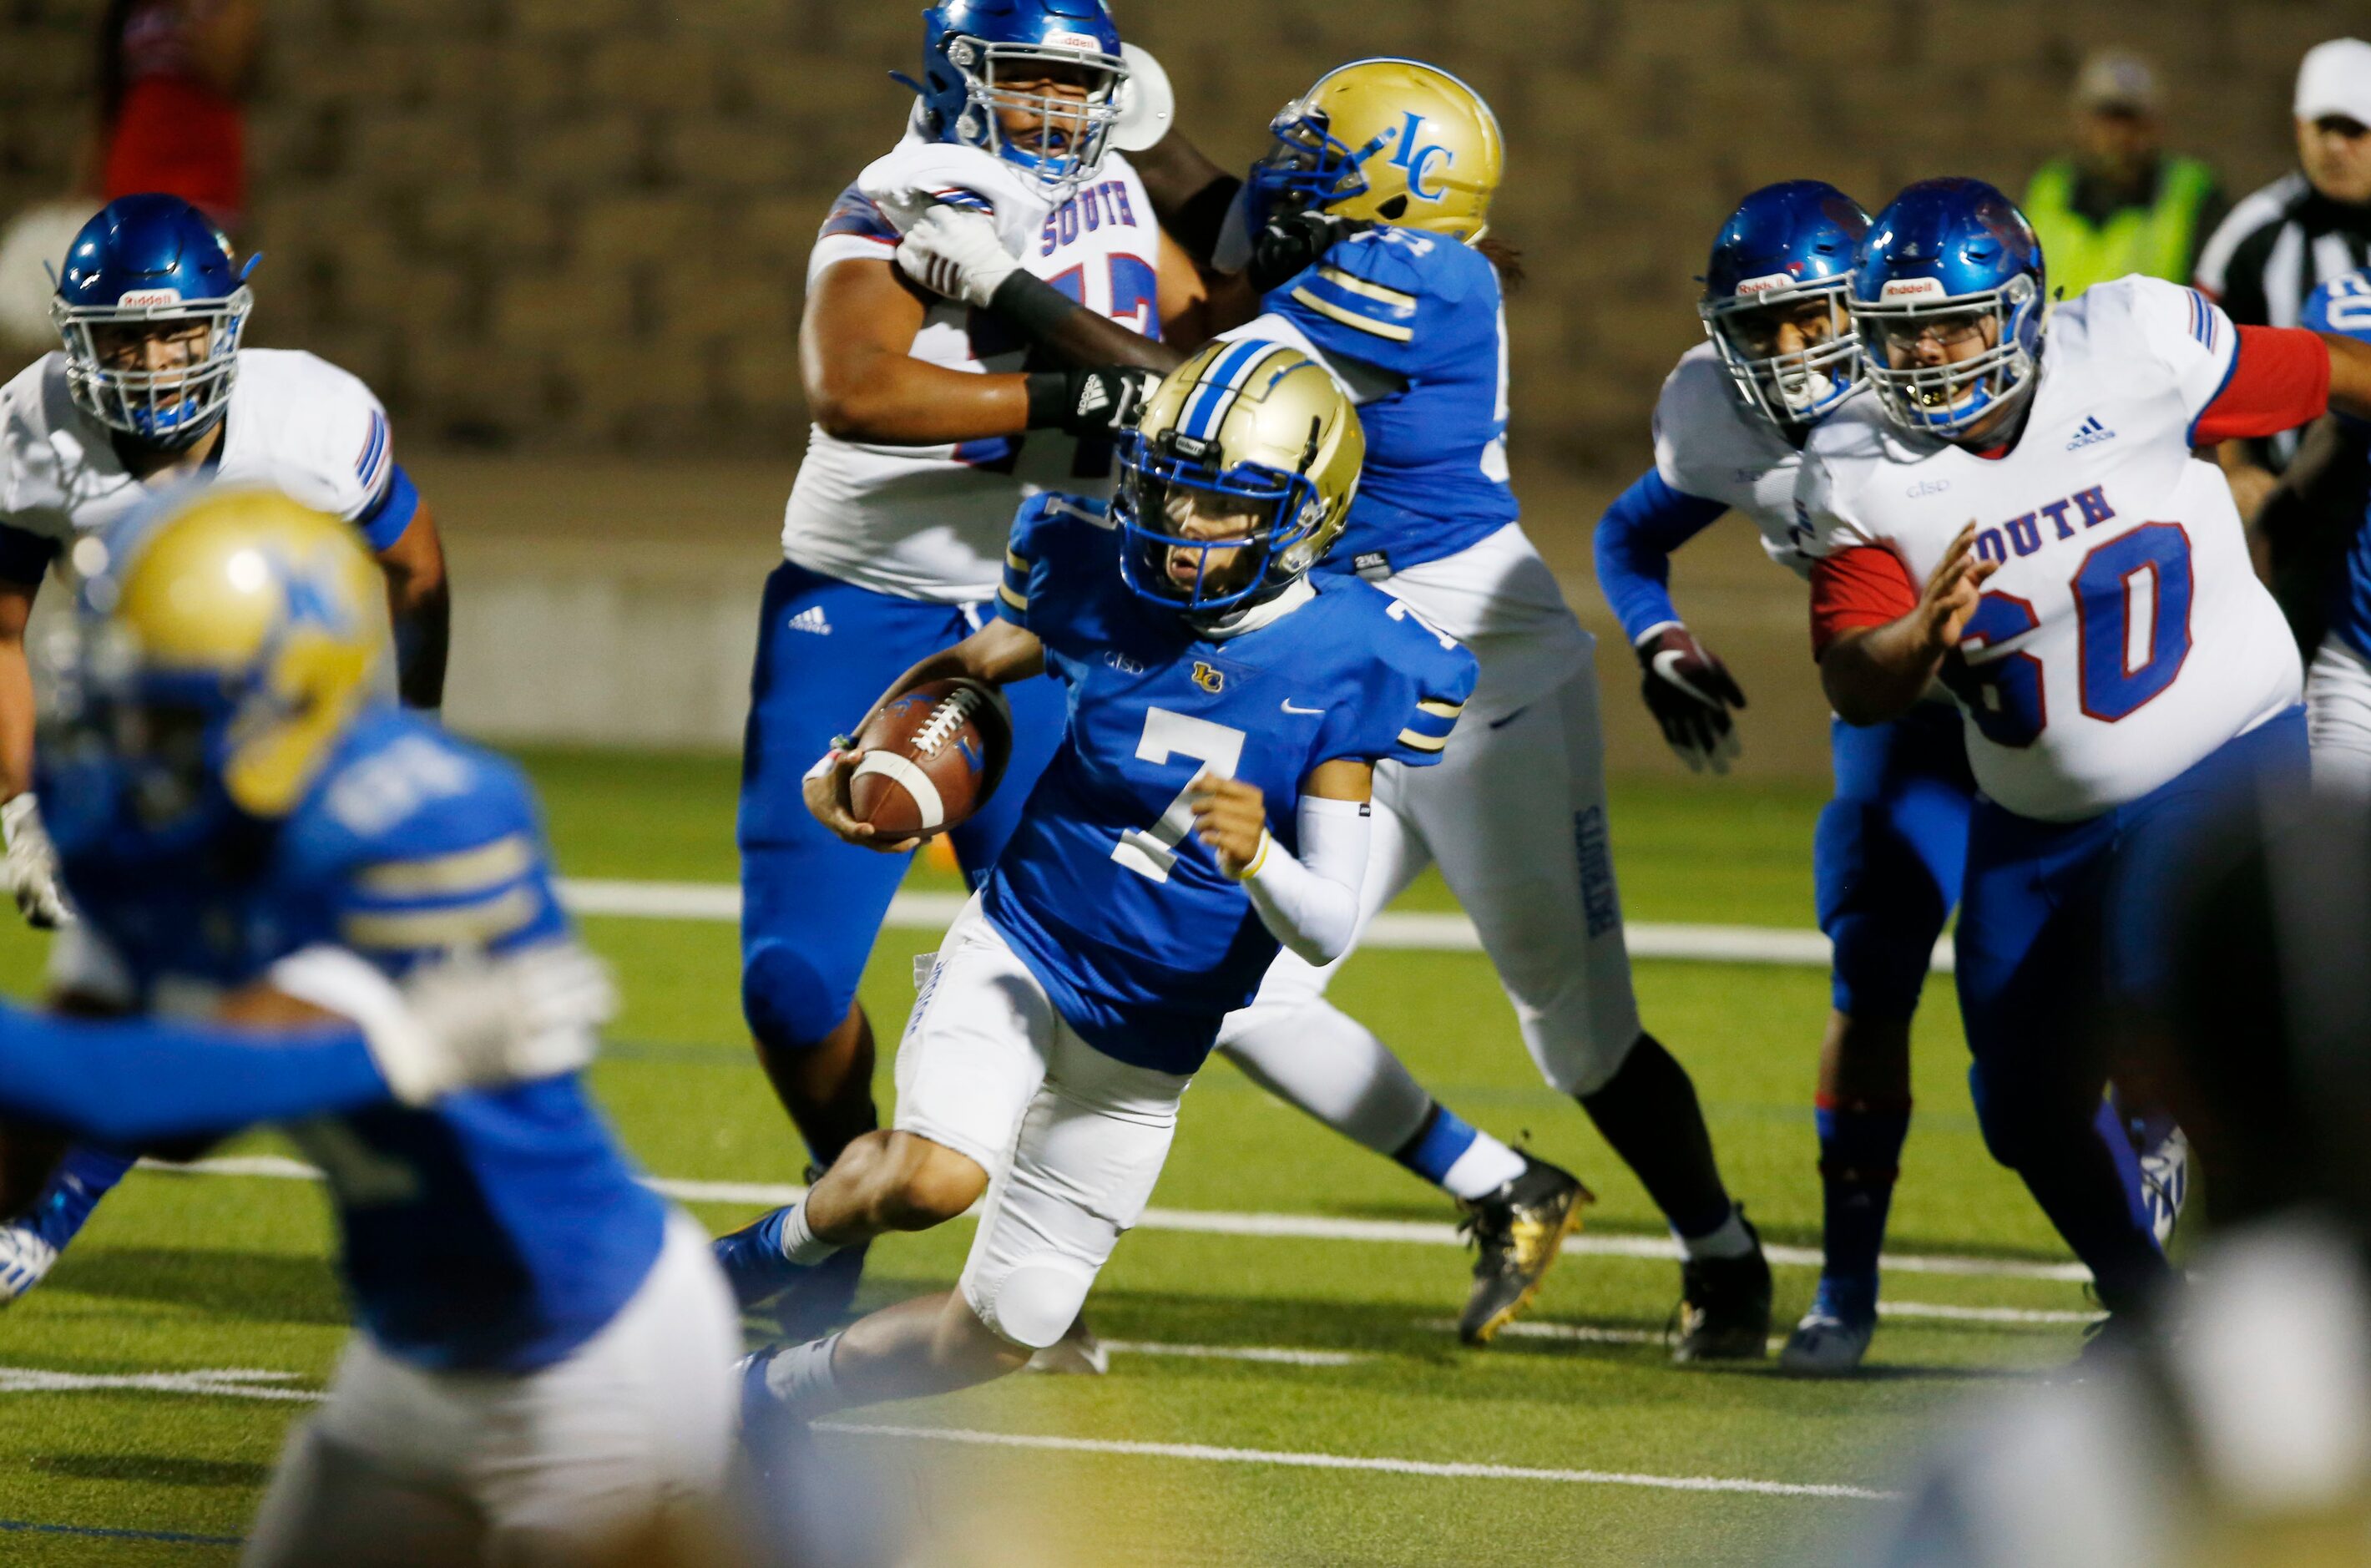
{"x":2120,"y":204}
{"x":2242,"y":1434}
{"x":2301,"y":230}
{"x":171,"y":74}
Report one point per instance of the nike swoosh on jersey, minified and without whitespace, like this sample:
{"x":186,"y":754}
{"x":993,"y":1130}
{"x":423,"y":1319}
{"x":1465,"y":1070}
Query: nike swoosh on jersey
{"x":1313,"y":713}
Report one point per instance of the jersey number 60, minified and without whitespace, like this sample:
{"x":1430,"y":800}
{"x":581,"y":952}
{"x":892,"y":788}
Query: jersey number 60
{"x":2138,"y":582}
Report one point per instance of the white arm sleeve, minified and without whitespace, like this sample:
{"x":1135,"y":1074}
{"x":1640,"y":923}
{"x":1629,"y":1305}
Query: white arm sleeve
{"x":1311,"y":904}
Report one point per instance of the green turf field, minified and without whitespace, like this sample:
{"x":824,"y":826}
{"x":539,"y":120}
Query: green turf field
{"x":179,"y":1274}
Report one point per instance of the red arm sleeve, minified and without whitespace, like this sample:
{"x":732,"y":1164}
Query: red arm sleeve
{"x":2279,"y":380}
{"x":1857,"y":588}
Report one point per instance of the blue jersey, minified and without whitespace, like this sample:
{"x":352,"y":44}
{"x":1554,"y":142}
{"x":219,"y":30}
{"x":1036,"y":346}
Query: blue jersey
{"x":1430,"y":313}
{"x":2343,"y":306}
{"x":1140,"y":940}
{"x":496,"y":1230}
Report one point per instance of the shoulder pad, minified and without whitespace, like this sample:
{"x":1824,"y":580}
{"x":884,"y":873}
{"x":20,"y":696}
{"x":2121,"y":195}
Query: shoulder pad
{"x":1411,"y":261}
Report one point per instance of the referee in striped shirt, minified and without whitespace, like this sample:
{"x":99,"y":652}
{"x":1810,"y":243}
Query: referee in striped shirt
{"x":2298,"y":232}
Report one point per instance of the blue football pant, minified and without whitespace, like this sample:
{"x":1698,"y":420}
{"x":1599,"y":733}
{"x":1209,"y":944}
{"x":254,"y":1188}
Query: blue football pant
{"x":811,"y":904}
{"x":1889,"y":853}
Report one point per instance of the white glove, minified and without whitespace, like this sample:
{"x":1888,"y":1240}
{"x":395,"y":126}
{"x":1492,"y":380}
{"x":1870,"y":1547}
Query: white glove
{"x":464,"y":1022}
{"x":956,"y":252}
{"x":33,"y":867}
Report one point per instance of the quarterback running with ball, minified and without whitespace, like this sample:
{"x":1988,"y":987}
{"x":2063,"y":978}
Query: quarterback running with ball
{"x":2016,"y":510}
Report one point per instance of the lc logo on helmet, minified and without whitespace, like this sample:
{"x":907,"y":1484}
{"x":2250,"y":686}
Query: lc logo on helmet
{"x":1418,"y":160}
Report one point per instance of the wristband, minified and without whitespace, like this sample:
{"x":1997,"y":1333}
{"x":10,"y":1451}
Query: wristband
{"x":1031,"y":303}
{"x":1252,"y":868}
{"x":1049,"y":398}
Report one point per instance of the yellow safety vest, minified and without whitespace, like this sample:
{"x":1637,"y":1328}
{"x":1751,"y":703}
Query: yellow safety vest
{"x":2157,"y":240}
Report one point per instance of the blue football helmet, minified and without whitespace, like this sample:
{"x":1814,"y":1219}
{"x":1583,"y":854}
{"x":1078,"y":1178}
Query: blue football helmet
{"x":1788,"y":245}
{"x":146,"y":261}
{"x":969,"y":46}
{"x":1949,"y":263}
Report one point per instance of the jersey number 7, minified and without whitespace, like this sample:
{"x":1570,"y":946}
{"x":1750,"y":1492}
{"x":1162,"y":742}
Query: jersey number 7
{"x":1152,"y":852}
{"x":2135,"y":589}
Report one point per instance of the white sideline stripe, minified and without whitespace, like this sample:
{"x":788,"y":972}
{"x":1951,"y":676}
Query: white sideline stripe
{"x":1583,"y":1333}
{"x":1936,"y":1309}
{"x":1429,"y":933}
{"x":1214,"y":1221}
{"x":229,"y":1383}
{"x":1205,"y":1454}
{"x":1279,"y":1355}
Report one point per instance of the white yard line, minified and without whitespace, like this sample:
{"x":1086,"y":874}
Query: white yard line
{"x":1429,"y":932}
{"x":1204,"y":1453}
{"x":1276,"y":1355}
{"x":227,"y":1383}
{"x":1311,"y":1227}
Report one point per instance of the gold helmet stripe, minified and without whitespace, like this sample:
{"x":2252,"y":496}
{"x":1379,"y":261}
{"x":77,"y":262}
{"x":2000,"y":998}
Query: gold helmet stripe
{"x":1334,"y":312}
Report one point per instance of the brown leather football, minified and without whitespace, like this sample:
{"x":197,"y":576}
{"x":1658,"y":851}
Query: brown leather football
{"x":931,"y":759}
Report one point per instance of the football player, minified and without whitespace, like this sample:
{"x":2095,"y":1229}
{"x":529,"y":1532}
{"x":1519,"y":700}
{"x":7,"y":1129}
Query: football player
{"x":255,"y":840}
{"x":1209,"y":805}
{"x":2016,"y":510}
{"x":1728,"y":432}
{"x":2338,"y":683}
{"x":152,"y":389}
{"x":1378,"y":193}
{"x":929,"y":430}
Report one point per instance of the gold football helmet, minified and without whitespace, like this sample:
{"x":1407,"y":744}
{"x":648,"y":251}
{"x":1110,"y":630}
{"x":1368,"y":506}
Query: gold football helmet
{"x":227,"y":639}
{"x":1388,"y":141}
{"x":1238,"y":476}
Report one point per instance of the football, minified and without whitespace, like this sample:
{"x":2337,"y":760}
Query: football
{"x":931,"y":758}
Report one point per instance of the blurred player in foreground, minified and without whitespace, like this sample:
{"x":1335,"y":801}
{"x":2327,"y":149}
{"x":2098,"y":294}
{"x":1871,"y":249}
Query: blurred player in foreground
{"x":151,"y":390}
{"x":2088,"y":599}
{"x":262,"y":849}
{"x":929,"y":432}
{"x":2242,"y":1434}
{"x":1207,"y":806}
{"x":1730,"y":429}
{"x":2338,"y":683}
{"x":1365,"y":226}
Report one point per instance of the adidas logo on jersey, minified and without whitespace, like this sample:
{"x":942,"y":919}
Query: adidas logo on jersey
{"x":812,"y":619}
{"x":2091,"y":435}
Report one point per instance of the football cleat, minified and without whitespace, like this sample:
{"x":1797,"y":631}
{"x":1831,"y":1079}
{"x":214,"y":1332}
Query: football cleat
{"x":1834,"y":1336}
{"x":1078,"y":1354}
{"x":26,"y":1260}
{"x":1724,"y":1307}
{"x":753,"y":1262}
{"x":1517,"y":1233}
{"x":2165,"y":1183}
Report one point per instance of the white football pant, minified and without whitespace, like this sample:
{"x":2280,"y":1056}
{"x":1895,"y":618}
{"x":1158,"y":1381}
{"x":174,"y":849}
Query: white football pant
{"x":623,"y":1452}
{"x":2338,"y":711}
{"x":1073,"y":1140}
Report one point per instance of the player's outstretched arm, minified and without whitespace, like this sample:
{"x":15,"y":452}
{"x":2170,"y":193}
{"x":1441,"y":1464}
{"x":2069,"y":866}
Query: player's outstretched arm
{"x":2350,"y":376}
{"x":863,"y":384}
{"x":997,"y":655}
{"x":1879,"y":672}
{"x":1309,"y":904}
{"x":420,"y":605}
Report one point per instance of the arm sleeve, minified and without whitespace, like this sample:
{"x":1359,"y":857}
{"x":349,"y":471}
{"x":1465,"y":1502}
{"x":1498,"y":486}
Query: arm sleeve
{"x":1311,"y":904}
{"x":1863,"y":587}
{"x":1635,"y":541}
{"x":2279,"y":379}
{"x":137,"y":1080}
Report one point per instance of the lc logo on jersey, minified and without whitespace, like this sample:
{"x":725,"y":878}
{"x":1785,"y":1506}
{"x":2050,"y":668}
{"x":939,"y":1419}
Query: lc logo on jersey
{"x":2091,"y":435}
{"x":1212,"y":680}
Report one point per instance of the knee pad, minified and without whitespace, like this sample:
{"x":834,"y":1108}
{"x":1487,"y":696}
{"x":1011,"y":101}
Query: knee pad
{"x":1032,"y":1302}
{"x":789,"y":1002}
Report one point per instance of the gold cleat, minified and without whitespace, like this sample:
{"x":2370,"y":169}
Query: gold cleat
{"x":1517,"y":1232}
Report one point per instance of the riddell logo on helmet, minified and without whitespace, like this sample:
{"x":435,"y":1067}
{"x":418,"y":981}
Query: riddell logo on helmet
{"x":1765,"y":284}
{"x":1085,"y":43}
{"x":138,"y":297}
{"x":1913,"y":288}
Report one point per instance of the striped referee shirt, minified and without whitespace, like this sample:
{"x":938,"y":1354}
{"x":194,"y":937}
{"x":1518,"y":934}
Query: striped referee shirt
{"x":2268,"y":257}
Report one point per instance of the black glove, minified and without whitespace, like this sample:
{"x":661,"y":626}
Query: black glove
{"x":1690,"y":692}
{"x":1294,"y":242}
{"x":1089,"y":403}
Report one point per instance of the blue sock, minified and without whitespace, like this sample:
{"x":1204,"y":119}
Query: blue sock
{"x":1860,"y":1155}
{"x":74,"y":1190}
{"x":2115,"y":1132}
{"x":1444,"y":1136}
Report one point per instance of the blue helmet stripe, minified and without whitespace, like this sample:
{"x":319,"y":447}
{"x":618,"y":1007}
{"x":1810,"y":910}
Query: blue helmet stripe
{"x":1207,"y":407}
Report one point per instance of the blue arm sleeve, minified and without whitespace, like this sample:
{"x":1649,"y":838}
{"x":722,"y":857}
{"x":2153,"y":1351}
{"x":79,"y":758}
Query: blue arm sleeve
{"x":130,"y":1081}
{"x":385,"y":521}
{"x":1635,"y":541}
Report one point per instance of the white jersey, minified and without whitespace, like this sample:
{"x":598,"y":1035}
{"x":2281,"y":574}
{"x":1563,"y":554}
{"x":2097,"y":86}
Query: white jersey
{"x":2125,"y":636}
{"x":293,"y":422}
{"x":1709,"y":444}
{"x":930,"y":522}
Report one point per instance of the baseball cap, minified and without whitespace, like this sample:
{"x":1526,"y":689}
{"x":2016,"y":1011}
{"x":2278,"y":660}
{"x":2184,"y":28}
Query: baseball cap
{"x":2117,"y":78}
{"x":2335,"y":80}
